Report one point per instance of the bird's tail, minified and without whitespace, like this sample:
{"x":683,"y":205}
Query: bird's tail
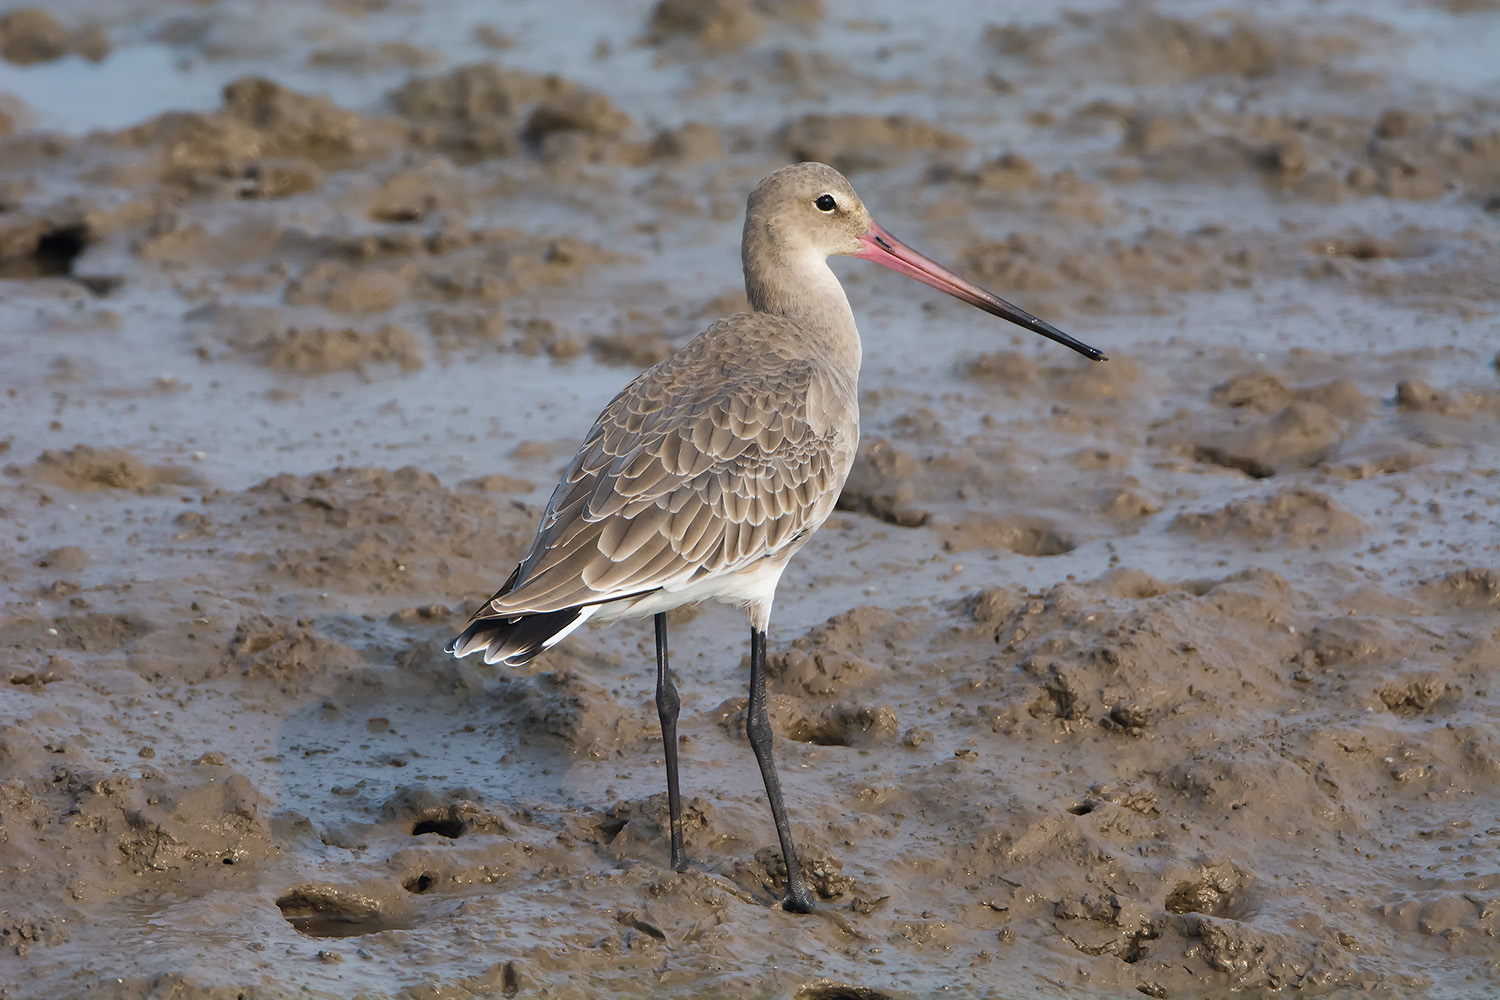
{"x":515,"y":638}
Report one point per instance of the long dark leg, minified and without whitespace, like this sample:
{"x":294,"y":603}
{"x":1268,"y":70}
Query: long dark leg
{"x":667,"y":706}
{"x":758,"y":729}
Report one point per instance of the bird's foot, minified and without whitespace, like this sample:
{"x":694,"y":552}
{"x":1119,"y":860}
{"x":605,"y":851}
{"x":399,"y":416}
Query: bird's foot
{"x":796,"y":902}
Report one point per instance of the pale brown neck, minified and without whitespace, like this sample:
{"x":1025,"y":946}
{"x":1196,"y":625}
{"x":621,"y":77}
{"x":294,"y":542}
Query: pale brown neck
{"x":801,"y":288}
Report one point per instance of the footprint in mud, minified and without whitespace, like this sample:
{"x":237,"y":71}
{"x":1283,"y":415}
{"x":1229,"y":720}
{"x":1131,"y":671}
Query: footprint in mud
{"x":327,"y":912}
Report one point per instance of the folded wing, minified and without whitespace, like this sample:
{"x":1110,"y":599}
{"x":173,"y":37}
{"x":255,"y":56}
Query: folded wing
{"x":701,"y":466}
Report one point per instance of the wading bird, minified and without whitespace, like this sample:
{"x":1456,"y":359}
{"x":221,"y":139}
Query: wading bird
{"x":712,"y":468}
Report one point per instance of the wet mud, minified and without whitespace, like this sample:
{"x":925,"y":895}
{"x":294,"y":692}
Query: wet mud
{"x":1173,"y":675}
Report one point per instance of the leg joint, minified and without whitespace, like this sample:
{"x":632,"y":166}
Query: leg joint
{"x":758,"y":730}
{"x":668,"y":703}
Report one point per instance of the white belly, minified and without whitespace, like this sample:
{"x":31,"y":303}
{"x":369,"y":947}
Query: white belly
{"x":752,"y":588}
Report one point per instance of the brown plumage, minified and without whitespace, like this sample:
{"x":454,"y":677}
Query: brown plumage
{"x":684,"y":477}
{"x":712,"y":468}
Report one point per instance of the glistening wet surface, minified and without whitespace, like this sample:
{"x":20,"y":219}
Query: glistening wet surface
{"x":1168,"y":676}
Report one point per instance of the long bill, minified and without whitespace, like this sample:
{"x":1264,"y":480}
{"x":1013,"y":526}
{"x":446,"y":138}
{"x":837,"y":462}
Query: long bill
{"x":883,"y":248}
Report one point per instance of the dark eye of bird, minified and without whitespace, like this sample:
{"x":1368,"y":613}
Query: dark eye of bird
{"x":826,"y":203}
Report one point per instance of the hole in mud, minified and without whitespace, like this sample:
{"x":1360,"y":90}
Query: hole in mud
{"x":1249,"y":465}
{"x":52,"y":256}
{"x":1037,"y":541}
{"x":420,"y":883}
{"x":442,"y":826}
{"x":610,"y":828}
{"x":321,"y":911}
{"x":1081,"y":808}
{"x":56,"y":251}
{"x":839,"y":991}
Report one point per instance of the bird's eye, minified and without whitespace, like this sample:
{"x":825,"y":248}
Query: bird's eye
{"x":826,"y":203}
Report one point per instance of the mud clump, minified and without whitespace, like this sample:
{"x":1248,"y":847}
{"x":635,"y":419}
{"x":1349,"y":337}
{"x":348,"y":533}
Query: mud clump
{"x":639,"y":349}
{"x":1299,"y":437}
{"x":63,"y":559}
{"x":1264,"y":393}
{"x":1146,"y":270}
{"x":85,"y":468}
{"x":30,"y":35}
{"x":481,"y":111}
{"x":264,"y":336}
{"x":1419,"y":695}
{"x":219,"y":153}
{"x":1327,"y":157}
{"x":580,"y":714}
{"x":1145,"y":48}
{"x":13,"y":116}
{"x":1156,"y":48}
{"x":854,"y":142}
{"x":1260,"y":436}
{"x":1217,"y":890}
{"x":879,"y":485}
{"x":287,"y":122}
{"x":837,"y":658}
{"x":1005,"y":367}
{"x":344,"y":289}
{"x":1290,"y":517}
{"x":386,"y":55}
{"x":96,"y":633}
{"x":324,"y":911}
{"x":690,"y":143}
{"x":1347,"y":640}
{"x":1467,"y":588}
{"x":1414,"y":394}
{"x":724,"y":24}
{"x":319,"y":350}
{"x":585,"y":112}
{"x":135,"y":829}
{"x":1017,"y":185}
{"x":286,"y":651}
{"x":384,"y":531}
{"x":842,"y":726}
{"x":824,"y":875}
{"x":413,"y":194}
{"x":1022,"y":534}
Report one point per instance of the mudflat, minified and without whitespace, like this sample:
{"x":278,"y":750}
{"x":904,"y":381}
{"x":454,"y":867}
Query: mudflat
{"x":1175,"y":675}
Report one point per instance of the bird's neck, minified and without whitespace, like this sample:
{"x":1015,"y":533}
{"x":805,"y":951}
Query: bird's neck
{"x":803,"y":289}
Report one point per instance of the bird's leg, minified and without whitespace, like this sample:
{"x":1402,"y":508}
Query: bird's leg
{"x":758,"y":730}
{"x":667,"y":706}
